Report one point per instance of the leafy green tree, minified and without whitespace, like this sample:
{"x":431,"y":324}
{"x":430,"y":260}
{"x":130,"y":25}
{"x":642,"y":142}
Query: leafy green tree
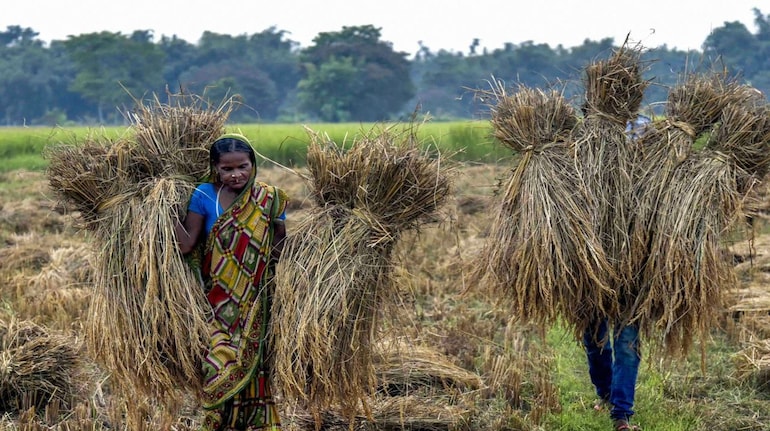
{"x":260,"y":70}
{"x":112,"y":68}
{"x":277,"y":57}
{"x":353,"y":75}
{"x":179,"y":55}
{"x":445,"y":83}
{"x":63,"y":72}
{"x":30,"y":77}
{"x":252,"y":88}
{"x":760,"y":78}
{"x":330,"y":90}
{"x":733,"y":45}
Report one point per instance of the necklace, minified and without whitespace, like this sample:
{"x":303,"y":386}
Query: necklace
{"x":219,"y":205}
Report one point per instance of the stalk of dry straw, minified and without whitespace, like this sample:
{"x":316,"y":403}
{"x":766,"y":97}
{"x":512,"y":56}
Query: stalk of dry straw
{"x":542,"y":253}
{"x":333,"y":279}
{"x":754,"y":360}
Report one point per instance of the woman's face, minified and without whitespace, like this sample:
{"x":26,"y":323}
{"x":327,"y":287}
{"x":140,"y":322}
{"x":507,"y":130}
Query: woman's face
{"x":234,"y":169}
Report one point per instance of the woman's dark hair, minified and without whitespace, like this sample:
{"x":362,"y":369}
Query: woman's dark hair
{"x":230,"y":144}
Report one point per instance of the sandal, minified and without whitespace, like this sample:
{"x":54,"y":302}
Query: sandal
{"x":623,"y":425}
{"x":601,"y":405}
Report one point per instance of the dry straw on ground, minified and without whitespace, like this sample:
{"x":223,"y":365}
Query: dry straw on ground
{"x":147,"y":315}
{"x":333,"y":281}
{"x":39,"y":367}
{"x":391,"y":414}
{"x":404,"y":369}
{"x":753,"y":361}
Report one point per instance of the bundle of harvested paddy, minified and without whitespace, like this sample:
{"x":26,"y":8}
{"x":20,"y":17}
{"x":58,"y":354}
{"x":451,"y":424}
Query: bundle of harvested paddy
{"x":542,"y":253}
{"x":333,"y":280}
{"x":147,"y":314}
{"x":37,"y":367}
{"x":696,"y":200}
{"x":69,"y":266}
{"x":614,"y":89}
{"x":22,"y":253}
{"x":178,"y":134}
{"x":692,"y":109}
{"x":147,"y":318}
{"x":679,"y":291}
{"x":743,"y":134}
{"x":83,"y":176}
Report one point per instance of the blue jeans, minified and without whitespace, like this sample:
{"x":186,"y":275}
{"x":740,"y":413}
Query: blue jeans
{"x":614,"y":376}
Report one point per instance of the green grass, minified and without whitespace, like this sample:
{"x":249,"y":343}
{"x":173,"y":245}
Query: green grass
{"x":677,"y":396}
{"x":22,"y":148}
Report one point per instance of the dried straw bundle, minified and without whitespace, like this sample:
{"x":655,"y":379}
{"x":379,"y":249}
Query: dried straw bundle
{"x":529,"y":119}
{"x":148,"y":311}
{"x":743,"y":133}
{"x":177,"y":134}
{"x":693,"y":108}
{"x":164,"y":140}
{"x":147,"y":323}
{"x":384,"y":177}
{"x":333,"y":279}
{"x":696,"y":104}
{"x":613,"y":93}
{"x":542,"y":253}
{"x":614,"y":88}
{"x":680,"y":287}
{"x":38,"y":367}
{"x":696,"y":201}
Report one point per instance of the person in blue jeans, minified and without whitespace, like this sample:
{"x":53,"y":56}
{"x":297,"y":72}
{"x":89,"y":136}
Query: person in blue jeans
{"x":613,"y":362}
{"x":613,"y":365}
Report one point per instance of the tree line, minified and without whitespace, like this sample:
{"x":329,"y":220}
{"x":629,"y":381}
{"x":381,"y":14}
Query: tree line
{"x":347,"y":75}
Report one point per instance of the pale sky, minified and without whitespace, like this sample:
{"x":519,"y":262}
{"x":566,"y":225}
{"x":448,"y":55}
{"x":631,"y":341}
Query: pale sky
{"x":439,"y":24}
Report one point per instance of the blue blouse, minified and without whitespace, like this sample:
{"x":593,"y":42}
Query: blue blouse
{"x":204,"y":201}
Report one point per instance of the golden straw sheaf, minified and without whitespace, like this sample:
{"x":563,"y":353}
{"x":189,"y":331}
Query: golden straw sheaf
{"x":542,"y":254}
{"x":147,"y":315}
{"x":333,"y":280}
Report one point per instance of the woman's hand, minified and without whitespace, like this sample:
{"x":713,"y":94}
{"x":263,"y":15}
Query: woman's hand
{"x":187,"y":232}
{"x":279,"y":235}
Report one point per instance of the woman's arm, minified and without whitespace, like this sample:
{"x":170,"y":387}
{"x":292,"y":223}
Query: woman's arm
{"x":187,"y":232}
{"x":279,"y":235}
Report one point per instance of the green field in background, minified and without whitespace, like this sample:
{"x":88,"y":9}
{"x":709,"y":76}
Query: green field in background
{"x":465,"y":141}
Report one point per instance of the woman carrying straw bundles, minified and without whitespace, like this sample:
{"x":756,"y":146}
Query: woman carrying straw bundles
{"x":240,"y":223}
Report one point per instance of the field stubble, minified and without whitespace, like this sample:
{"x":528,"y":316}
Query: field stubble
{"x":461,"y":362}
